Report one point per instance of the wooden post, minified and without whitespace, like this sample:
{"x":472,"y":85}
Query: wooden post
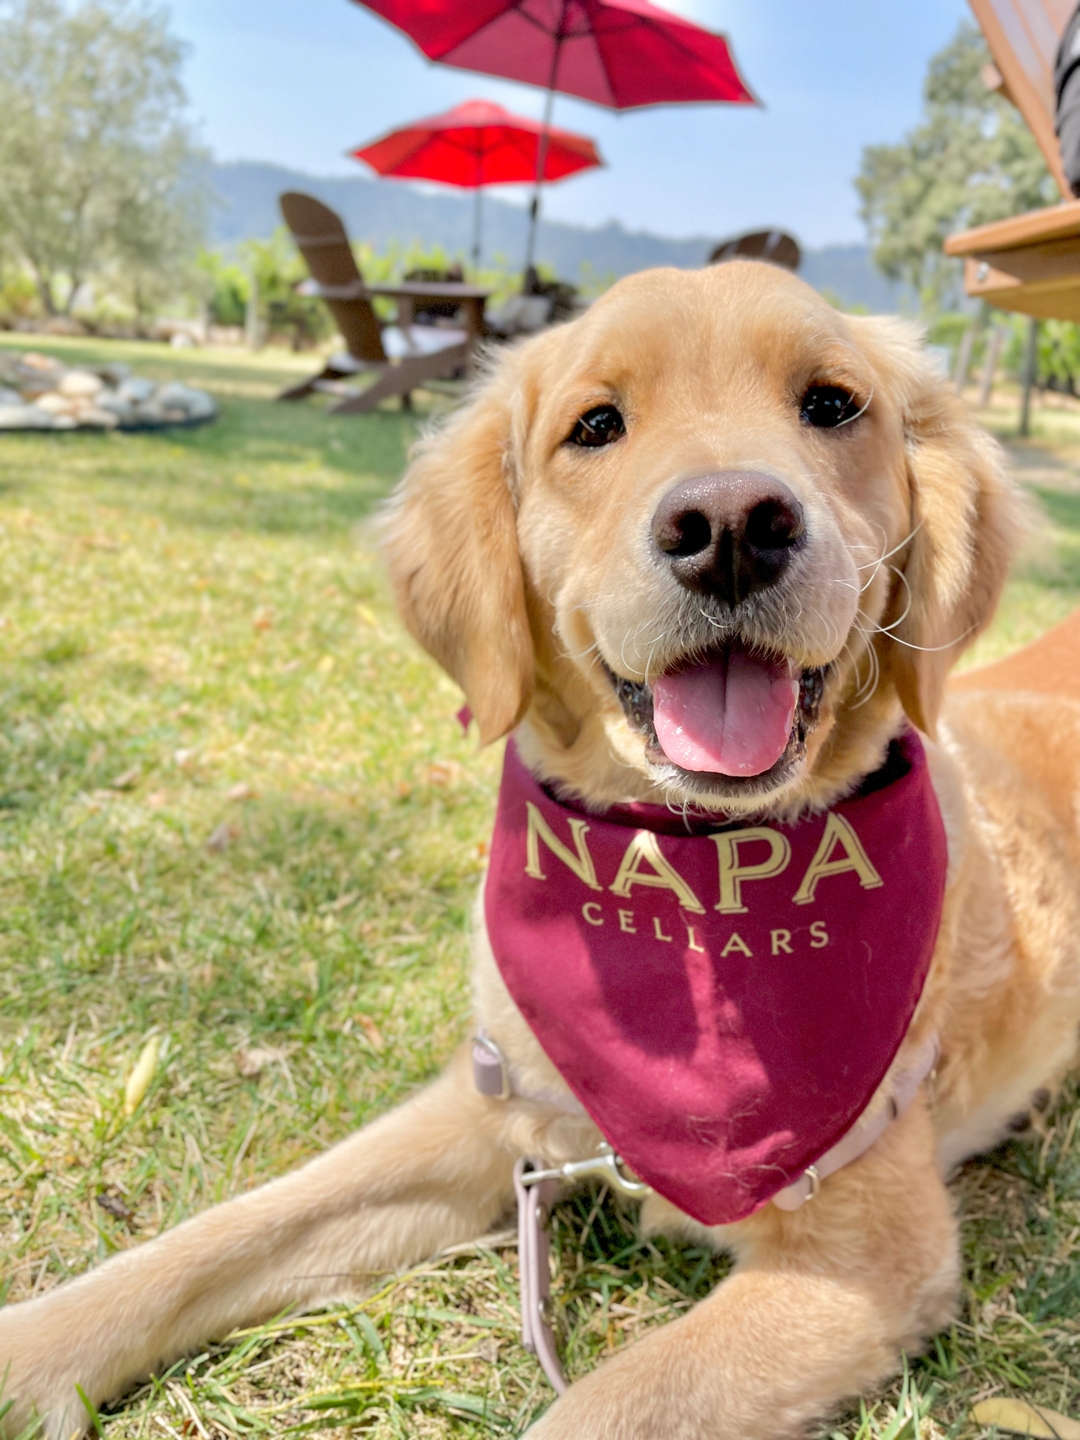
{"x":477,"y":200}
{"x":541,"y":156}
{"x":990,"y":360}
{"x":963,"y":358}
{"x":1031,"y":356}
{"x":252,"y":329}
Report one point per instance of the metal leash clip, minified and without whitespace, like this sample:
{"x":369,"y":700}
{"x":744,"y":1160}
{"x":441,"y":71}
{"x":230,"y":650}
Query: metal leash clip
{"x":604,"y":1165}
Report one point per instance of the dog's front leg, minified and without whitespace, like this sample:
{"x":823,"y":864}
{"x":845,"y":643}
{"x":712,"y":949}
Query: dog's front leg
{"x":434,"y":1172}
{"x":818,"y":1310}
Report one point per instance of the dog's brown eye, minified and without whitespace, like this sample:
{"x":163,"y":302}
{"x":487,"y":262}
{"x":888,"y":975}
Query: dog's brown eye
{"x":826,"y":406}
{"x":599,"y":426}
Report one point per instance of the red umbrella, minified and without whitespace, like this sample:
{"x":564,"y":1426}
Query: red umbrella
{"x":478,"y":144}
{"x":475,"y":144}
{"x":619,"y":53}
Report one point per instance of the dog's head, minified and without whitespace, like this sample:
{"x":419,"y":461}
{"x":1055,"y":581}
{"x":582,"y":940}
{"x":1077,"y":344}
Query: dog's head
{"x":708,"y":539}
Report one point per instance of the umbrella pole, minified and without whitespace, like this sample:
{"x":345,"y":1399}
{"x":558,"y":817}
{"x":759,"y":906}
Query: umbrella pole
{"x":534,"y":208}
{"x":541,"y":156}
{"x":476,"y":227}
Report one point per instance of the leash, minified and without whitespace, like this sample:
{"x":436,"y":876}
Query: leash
{"x":537,"y":1189}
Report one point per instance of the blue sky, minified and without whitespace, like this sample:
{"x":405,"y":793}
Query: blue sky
{"x":300,"y":81}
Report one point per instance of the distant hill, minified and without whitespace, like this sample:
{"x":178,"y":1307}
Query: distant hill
{"x":383,"y":210}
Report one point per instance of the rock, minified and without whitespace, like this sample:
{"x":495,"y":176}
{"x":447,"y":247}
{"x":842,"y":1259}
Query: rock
{"x":99,"y":418}
{"x":24,"y":417}
{"x":31,"y":389}
{"x":55,"y":403}
{"x":136,"y":389}
{"x":116,"y":404}
{"x":33,"y":361}
{"x":78,"y":383}
{"x":34,"y":374}
{"x":38,"y":393}
{"x":115,"y":373}
{"x":196,"y":404}
{"x":202,"y":406}
{"x":173,"y":395}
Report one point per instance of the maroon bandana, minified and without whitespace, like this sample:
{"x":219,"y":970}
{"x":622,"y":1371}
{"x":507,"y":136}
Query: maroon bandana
{"x":723,"y":1001}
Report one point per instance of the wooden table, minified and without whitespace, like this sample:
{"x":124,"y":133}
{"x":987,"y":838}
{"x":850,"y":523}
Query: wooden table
{"x":1029,"y":263}
{"x":470,"y":299}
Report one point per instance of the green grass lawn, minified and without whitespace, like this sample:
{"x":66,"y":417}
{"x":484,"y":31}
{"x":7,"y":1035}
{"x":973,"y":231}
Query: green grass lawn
{"x":236,"y":812}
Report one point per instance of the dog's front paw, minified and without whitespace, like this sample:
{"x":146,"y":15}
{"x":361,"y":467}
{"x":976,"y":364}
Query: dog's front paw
{"x":589,"y":1412}
{"x":36,"y":1383}
{"x":633,"y":1397}
{"x":62,"y":1417}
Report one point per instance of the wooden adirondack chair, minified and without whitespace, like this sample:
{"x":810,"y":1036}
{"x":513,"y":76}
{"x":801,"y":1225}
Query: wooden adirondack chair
{"x":400,"y":356}
{"x":775,"y":245}
{"x":1029,"y":263}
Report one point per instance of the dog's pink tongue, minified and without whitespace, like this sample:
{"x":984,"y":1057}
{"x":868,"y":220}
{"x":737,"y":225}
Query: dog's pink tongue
{"x":731,"y":716}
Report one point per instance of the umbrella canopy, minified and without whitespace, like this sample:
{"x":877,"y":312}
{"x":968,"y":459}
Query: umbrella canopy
{"x":618,"y":53}
{"x":478,"y":143}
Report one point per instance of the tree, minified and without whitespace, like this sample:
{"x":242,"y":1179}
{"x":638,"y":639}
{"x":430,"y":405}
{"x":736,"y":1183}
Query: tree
{"x":278,"y":269}
{"x":970,"y":160}
{"x":97,"y":166}
{"x":225,"y":287}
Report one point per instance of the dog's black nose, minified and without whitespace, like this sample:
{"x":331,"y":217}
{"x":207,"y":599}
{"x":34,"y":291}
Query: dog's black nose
{"x":728,"y":534}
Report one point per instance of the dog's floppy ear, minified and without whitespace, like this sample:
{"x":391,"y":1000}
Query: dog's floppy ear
{"x":966,"y":519}
{"x":450,"y":539}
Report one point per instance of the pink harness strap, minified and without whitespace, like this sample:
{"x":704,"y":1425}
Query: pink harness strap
{"x":866,"y":1130}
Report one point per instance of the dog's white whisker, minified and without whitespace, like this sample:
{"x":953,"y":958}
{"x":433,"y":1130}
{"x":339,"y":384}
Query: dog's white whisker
{"x":888,"y":629}
{"x":888,"y":554}
{"x":868,"y":687}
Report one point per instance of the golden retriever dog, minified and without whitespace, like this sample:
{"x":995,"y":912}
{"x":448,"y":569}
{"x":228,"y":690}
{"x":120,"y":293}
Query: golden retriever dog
{"x":707,"y":469}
